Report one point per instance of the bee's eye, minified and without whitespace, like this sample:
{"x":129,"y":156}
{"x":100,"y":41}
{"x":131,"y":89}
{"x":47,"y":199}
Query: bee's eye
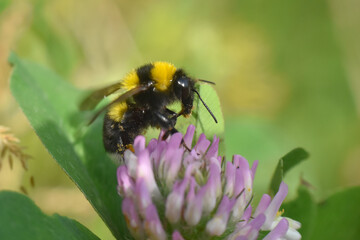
{"x":183,"y":82}
{"x":182,"y":87}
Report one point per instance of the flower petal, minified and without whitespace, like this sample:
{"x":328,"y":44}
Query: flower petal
{"x":194,"y":208}
{"x":132,"y":219}
{"x":126,"y":184}
{"x":131,"y":162}
{"x":173,"y":167}
{"x":145,"y":171}
{"x":177,"y":236}
{"x":189,"y":135}
{"x":274,"y":206}
{"x":212,"y":188}
{"x":279,"y":231}
{"x":143,"y":198}
{"x":263,"y":205}
{"x":202,"y":145}
{"x":230,"y":179}
{"x":153,"y":226}
{"x":139,"y":144}
{"x":253,"y":169}
{"x":217,"y":225}
{"x":213,"y":149}
{"x":249,"y":230}
{"x":174,"y":202}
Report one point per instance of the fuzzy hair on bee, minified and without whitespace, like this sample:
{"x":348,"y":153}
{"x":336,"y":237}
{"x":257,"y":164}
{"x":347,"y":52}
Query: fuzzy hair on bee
{"x":149,"y":89}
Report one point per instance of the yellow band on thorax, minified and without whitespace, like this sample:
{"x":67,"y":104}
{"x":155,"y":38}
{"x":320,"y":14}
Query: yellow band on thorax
{"x":162,"y":73}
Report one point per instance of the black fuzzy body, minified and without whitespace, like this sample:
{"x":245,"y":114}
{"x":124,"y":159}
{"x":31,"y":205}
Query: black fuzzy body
{"x":148,"y":109}
{"x":118,"y":135}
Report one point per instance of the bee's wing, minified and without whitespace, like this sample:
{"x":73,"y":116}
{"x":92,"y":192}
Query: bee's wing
{"x":95,"y":97}
{"x":121,"y":98}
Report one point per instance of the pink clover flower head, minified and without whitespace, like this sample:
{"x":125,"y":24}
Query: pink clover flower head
{"x":172,"y":189}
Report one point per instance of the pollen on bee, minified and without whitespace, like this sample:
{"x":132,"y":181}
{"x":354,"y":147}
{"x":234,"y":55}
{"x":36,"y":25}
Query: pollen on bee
{"x":130,"y":147}
{"x":120,"y":147}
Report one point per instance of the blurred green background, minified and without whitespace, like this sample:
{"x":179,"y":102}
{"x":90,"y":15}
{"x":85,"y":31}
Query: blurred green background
{"x":286,"y":72}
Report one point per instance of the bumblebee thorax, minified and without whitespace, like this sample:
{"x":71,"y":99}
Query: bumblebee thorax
{"x":162,"y":74}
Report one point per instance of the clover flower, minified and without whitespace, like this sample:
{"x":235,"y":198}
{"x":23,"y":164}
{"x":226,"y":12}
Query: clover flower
{"x":172,"y":190}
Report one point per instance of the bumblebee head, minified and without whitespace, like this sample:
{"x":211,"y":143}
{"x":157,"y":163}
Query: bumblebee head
{"x":184,"y":88}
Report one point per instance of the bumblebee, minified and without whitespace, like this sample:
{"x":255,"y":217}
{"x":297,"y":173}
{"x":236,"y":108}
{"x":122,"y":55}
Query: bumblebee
{"x":149,"y":89}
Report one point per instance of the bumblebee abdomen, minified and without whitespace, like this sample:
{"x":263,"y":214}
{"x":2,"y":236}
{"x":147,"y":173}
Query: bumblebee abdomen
{"x":117,"y":135}
{"x":131,"y":80}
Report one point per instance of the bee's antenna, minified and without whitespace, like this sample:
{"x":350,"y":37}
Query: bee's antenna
{"x":207,"y":108}
{"x":206,"y":81}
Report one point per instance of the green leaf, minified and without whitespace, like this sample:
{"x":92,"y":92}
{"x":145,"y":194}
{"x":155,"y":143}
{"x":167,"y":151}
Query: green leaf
{"x":287,"y":162}
{"x":202,"y":119}
{"x":50,"y":104}
{"x":304,"y":210}
{"x":338,"y":217}
{"x":20,"y":219}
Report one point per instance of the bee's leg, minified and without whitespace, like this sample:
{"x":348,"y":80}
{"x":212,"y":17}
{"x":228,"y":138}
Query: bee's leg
{"x":169,"y":132}
{"x":166,"y":120}
{"x":173,"y":130}
{"x":171,"y":113}
{"x":185,"y":146}
{"x":163,"y":120}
